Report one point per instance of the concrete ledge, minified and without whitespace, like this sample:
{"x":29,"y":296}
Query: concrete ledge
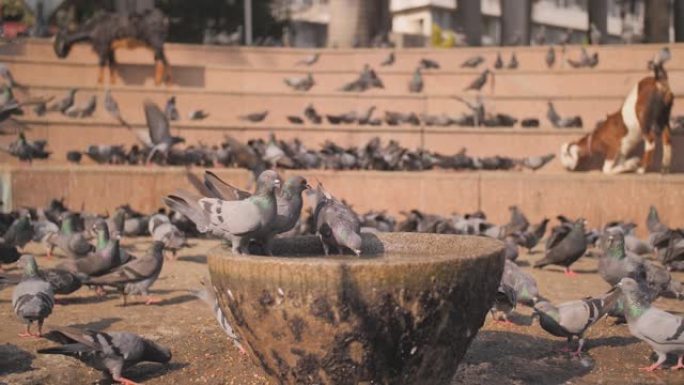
{"x":592,"y":195}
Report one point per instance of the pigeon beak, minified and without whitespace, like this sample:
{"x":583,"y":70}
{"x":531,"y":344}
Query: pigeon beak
{"x":308,"y":187}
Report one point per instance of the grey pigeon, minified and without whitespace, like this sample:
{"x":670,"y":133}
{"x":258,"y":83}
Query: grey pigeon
{"x":559,"y":122}
{"x":416,"y":83}
{"x":550,"y":57}
{"x":513,"y":64}
{"x":197,"y":115}
{"x":517,"y":223}
{"x":62,"y":281}
{"x":337,"y":225}
{"x":26,"y":150}
{"x":311,"y":114}
{"x":136,"y":276}
{"x":525,"y":286}
{"x":170,"y":109}
{"x":565,"y":247}
{"x":536,"y":162}
{"x":300,"y":83}
{"x":309,"y":60}
{"x":110,"y":353}
{"x":8,"y":254}
{"x":86,"y":110}
{"x":237,"y":221}
{"x":289,"y":199}
{"x":531,"y":237}
{"x":663,"y":55}
{"x":208,"y":295}
{"x":498,"y":63}
{"x":572,"y":319}
{"x":255,"y":117}
{"x":161,"y":140}
{"x":653,"y":223}
{"x":65,"y":103}
{"x":428,"y":64}
{"x":162,"y":230}
{"x":389,"y":60}
{"x":663,"y":331}
{"x":112,"y":108}
{"x":6,"y":74}
{"x":32,"y":298}
{"x":479,"y":82}
{"x":505,"y":302}
{"x":472,"y":62}
{"x":19,"y":233}
{"x":73,"y":243}
{"x":100,"y":261}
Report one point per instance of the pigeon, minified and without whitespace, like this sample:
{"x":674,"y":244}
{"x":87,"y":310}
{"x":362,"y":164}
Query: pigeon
{"x":573,"y":318}
{"x":416,"y":83}
{"x":525,"y":286}
{"x":161,"y":229}
{"x":300,"y":83}
{"x":295,"y":119}
{"x":161,"y":140}
{"x":136,"y":276}
{"x":83,"y":111}
{"x":33,"y":298}
{"x":245,"y":156}
{"x":653,"y":223}
{"x":25,"y":150}
{"x":8,"y":254}
{"x":505,"y":302}
{"x":565,"y":247}
{"x":62,"y":281}
{"x":550,"y":57}
{"x":428,"y":64}
{"x":662,"y":56}
{"x":498,"y":64}
{"x":311,"y":114}
{"x":309,"y":60}
{"x":74,"y":244}
{"x":472,"y":62}
{"x":289,"y":199}
{"x":531,"y":237}
{"x":536,"y":162}
{"x":106,"y":257}
{"x":112,"y":107}
{"x":389,"y":60}
{"x":197,"y":115}
{"x":110,"y":353}
{"x":585,"y":60}
{"x":237,"y":221}
{"x":365,"y":117}
{"x":337,"y":226}
{"x":517,"y":223}
{"x":513,"y":64}
{"x":479,"y":82}
{"x":255,"y":117}
{"x":558,"y":122}
{"x":170,"y":110}
{"x":65,"y":103}
{"x":663,"y":331}
{"x":209,"y":297}
{"x":6,"y":74}
{"x":19,"y":233}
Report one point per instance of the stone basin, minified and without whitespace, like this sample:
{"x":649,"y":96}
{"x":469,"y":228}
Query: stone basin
{"x":404,"y":313}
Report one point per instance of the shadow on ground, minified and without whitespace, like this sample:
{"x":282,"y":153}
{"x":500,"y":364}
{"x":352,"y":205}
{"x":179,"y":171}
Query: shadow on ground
{"x":14,"y":360}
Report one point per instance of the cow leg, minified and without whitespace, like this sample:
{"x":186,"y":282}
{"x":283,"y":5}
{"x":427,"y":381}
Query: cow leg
{"x":667,"y":150}
{"x":611,"y":160}
{"x":112,"y":67}
{"x":647,"y":158}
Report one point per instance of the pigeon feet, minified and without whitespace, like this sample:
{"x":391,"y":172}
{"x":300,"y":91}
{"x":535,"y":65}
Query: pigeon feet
{"x":680,"y":364}
{"x":504,"y":322}
{"x":125,"y":381}
{"x":569,"y":273}
{"x":152,"y":300}
{"x":650,"y":368}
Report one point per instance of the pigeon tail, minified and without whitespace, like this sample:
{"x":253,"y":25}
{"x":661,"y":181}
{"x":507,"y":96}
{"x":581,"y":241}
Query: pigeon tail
{"x":183,"y":203}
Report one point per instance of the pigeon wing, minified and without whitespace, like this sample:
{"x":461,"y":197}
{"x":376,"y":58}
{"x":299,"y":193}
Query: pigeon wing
{"x":157,"y":123}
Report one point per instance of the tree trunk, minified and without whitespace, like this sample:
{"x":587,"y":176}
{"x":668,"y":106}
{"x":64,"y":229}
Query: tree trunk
{"x":657,"y":21}
{"x":516,"y":20}
{"x":470,"y":16}
{"x":598,"y":15}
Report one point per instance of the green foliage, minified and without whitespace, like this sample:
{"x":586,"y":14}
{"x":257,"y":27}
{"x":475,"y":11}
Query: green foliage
{"x":436,"y":36}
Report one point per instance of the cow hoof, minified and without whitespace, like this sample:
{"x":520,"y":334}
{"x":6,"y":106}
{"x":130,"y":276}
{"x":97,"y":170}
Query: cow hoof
{"x":641,"y":170}
{"x":665,"y":170}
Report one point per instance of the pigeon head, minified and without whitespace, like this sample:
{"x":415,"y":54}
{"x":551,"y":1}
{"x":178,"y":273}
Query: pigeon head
{"x":615,"y":244}
{"x":102,"y":230}
{"x":569,"y":155}
{"x":636,"y":299}
{"x":61,"y":45}
{"x":296,"y":185}
{"x":544,"y":308}
{"x":156,"y":353}
{"x":28,"y":262}
{"x":268,"y":181}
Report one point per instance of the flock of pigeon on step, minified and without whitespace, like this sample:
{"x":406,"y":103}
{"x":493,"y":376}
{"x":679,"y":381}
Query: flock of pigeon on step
{"x":96,"y":259}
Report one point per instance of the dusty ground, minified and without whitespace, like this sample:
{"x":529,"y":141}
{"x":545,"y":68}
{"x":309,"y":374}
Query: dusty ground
{"x":519,"y":354}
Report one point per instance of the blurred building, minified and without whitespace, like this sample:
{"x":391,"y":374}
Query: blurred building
{"x":310,"y":19}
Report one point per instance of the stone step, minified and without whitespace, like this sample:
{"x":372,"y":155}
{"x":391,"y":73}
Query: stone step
{"x":593,"y":196}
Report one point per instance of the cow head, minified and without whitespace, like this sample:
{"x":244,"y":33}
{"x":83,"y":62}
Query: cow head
{"x":570,"y":155}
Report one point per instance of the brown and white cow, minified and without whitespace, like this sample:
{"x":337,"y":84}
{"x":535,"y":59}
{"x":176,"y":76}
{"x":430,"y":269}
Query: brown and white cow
{"x":644,"y":116}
